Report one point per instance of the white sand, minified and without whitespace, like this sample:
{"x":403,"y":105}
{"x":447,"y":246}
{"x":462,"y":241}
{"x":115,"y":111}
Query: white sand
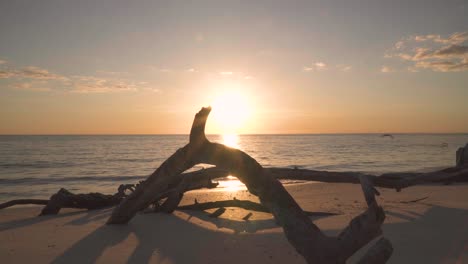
{"x":431,"y":231}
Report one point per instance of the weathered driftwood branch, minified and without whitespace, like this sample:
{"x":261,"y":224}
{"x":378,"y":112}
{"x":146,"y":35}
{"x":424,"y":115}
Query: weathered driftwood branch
{"x":65,"y":199}
{"x":462,"y":156}
{"x":396,"y":181}
{"x":23,"y":201}
{"x":304,"y":235}
{"x":244,"y":204}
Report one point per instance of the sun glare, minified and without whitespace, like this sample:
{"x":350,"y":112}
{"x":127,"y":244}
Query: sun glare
{"x":231,"y":140}
{"x":230,"y":112}
{"x":231,"y":184}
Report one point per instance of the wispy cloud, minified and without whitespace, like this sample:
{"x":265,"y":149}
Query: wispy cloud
{"x":444,"y":66}
{"x":91,"y":84}
{"x":225,"y":73}
{"x":317,"y":66}
{"x":3,"y":62}
{"x":113,"y":73}
{"x":31,"y":72}
{"x":38,"y":79}
{"x":322,"y":66}
{"x":344,"y":68}
{"x":433,"y":52}
{"x":159,"y":69}
{"x":455,"y":38}
{"x":386,"y":69}
{"x":31,"y":86}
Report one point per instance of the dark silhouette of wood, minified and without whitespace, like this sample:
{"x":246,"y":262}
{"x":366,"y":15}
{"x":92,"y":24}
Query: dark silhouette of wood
{"x":396,"y":180}
{"x":66,"y":199}
{"x":301,"y":232}
{"x":202,"y":179}
{"x":23,"y":201}
{"x":462,"y":156}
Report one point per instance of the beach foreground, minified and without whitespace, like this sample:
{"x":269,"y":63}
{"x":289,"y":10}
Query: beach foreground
{"x":434,"y":230}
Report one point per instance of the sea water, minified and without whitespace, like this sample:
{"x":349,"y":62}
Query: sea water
{"x":37,"y":166}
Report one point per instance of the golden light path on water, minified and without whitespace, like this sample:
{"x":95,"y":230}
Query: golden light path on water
{"x":231,"y":183}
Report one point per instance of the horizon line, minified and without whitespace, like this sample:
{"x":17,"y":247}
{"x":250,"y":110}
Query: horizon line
{"x":242,"y":134}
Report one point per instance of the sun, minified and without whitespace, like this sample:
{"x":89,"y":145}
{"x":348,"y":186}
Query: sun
{"x":231,"y":109}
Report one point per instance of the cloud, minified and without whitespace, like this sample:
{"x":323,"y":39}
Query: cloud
{"x":191,"y":70}
{"x":344,"y":68}
{"x":31,"y":72}
{"x":321,"y":66}
{"x":452,"y":51}
{"x":92,"y":84}
{"x":318,"y":66}
{"x":37,"y":79}
{"x":40,"y":74}
{"x":444,"y":66}
{"x":6,"y":74}
{"x":3,"y":62}
{"x":30,"y":86}
{"x":433,"y":52}
{"x":455,"y":38}
{"x":112,"y":73}
{"x":163,"y":70}
{"x":386,"y":69}
{"x":226,"y":73}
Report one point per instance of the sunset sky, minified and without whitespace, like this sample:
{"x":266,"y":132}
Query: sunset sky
{"x":146,"y":67}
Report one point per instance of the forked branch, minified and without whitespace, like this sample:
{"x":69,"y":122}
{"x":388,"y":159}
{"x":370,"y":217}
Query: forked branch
{"x":301,"y":232}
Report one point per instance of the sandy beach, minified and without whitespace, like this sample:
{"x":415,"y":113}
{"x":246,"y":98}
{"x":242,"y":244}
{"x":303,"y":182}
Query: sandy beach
{"x":434,"y":230}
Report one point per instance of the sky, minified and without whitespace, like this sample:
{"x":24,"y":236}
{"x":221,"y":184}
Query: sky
{"x":266,"y":67}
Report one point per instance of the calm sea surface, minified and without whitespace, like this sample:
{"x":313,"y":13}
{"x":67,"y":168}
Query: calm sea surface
{"x":37,"y":166}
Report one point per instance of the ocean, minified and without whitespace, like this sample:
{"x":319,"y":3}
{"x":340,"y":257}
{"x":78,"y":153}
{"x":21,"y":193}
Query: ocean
{"x":37,"y":166}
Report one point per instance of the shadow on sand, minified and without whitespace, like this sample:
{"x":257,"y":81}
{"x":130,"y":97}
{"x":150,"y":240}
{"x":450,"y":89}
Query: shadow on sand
{"x":161,"y":236}
{"x":440,"y":235}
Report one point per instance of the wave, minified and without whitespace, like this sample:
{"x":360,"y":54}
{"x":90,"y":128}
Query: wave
{"x":37,"y":165}
{"x":31,"y":180}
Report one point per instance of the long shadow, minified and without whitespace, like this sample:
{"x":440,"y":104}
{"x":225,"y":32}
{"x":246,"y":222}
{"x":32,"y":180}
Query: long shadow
{"x":440,"y":235}
{"x":163,"y":236}
{"x":91,"y":216}
{"x":34,"y":220}
{"x":238,"y":226}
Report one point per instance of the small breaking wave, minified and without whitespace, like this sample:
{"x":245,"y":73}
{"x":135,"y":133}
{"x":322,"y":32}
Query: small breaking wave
{"x":31,"y":180}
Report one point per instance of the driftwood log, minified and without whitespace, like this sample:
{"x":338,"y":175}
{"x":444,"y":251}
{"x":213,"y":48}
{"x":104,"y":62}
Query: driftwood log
{"x":301,"y":232}
{"x":66,"y":199}
{"x":63,"y":198}
{"x":394,"y":180}
{"x":462,"y":156}
{"x":203,"y":179}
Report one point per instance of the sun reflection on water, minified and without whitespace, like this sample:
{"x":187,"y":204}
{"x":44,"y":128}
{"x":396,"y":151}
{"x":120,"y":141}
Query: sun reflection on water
{"x":231,"y":140}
